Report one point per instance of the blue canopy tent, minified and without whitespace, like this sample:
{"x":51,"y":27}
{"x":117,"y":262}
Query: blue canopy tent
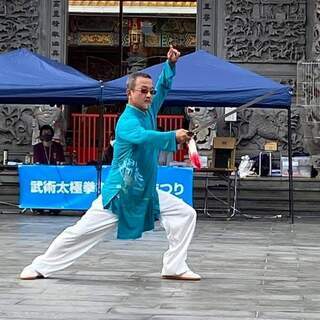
{"x":29,"y":78}
{"x":205,"y":80}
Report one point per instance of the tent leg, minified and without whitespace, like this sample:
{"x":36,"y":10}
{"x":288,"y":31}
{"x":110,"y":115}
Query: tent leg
{"x":291,"y":210}
{"x":120,"y":37}
{"x":101,"y":135}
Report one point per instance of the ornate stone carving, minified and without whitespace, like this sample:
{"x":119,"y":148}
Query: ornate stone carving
{"x":19,"y":24}
{"x":265,"y":31}
{"x":316,"y":32}
{"x":15,"y":125}
{"x":54,"y":117}
{"x":19,"y":125}
{"x":255,"y":126}
{"x":19,"y":27}
{"x":311,"y":128}
{"x":252,"y":129}
{"x":197,"y":116}
{"x":38,"y":25}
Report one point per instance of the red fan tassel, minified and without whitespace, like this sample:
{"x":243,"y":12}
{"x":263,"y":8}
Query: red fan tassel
{"x":193,"y":154}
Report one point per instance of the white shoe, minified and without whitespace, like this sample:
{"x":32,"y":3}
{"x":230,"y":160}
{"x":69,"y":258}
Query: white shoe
{"x":28,"y":273}
{"x":187,"y":276}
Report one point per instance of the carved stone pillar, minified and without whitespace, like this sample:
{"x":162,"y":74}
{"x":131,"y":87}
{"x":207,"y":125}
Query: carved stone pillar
{"x":40,"y":26}
{"x":206,"y":25}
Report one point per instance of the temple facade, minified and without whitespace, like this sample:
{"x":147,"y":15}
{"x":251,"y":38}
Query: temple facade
{"x":268,"y":37}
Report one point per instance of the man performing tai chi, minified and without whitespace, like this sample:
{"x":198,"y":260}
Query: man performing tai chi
{"x":129,"y":197}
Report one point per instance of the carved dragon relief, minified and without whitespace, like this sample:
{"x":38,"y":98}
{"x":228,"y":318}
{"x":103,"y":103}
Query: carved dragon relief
{"x":255,"y":126}
{"x":252,"y":129}
{"x":273,"y":31}
{"x":15,"y":125}
{"x":19,"y":27}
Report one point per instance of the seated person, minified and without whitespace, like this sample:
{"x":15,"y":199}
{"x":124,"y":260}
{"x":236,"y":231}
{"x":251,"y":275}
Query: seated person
{"x":48,"y":151}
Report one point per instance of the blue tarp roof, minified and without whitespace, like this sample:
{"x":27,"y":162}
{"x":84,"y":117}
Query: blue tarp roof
{"x":205,"y":80}
{"x":27,"y":77}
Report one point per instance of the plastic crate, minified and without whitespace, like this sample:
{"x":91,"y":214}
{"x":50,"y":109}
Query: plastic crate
{"x":301,"y":166}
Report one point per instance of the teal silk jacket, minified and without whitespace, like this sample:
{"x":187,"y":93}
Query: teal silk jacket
{"x":130,"y":188}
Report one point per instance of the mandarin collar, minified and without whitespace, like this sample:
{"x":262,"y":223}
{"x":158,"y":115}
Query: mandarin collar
{"x":137,"y":110}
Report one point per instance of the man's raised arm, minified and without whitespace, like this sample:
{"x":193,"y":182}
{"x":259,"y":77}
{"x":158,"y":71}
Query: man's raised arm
{"x":164,"y":82}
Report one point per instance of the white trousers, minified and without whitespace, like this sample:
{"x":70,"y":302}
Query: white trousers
{"x":177,"y":218}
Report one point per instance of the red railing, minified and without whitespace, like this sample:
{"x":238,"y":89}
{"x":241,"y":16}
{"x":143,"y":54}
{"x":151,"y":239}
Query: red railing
{"x":84,"y":130}
{"x":170,"y":122}
{"x":109,"y":123}
{"x":85,"y":133}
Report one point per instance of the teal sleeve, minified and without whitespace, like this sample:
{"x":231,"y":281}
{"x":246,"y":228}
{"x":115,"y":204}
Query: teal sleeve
{"x":133,"y":132}
{"x":163,"y":86}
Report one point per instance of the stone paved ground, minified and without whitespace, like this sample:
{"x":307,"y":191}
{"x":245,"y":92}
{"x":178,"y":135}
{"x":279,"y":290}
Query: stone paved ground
{"x":251,"y":270}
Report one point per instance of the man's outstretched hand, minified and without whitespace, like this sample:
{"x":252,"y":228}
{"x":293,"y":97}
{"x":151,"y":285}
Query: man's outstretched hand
{"x":173,"y":55}
{"x":182,"y":136}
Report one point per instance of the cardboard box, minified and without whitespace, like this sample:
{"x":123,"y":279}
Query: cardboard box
{"x":224,"y":153}
{"x":271,"y":146}
{"x":224,"y":143}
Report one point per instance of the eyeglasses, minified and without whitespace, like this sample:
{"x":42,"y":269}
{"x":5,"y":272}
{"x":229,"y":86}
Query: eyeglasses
{"x":146,"y":91}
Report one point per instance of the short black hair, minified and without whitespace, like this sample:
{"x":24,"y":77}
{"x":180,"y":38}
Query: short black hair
{"x":46,"y":127}
{"x":131,"y":80}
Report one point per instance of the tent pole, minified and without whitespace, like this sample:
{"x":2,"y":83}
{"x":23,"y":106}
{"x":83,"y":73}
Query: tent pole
{"x":100,"y":139}
{"x":120,"y":36}
{"x":291,"y":210}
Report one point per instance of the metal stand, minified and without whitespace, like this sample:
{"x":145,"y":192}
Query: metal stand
{"x":235,"y":198}
{"x":290,"y":176}
{"x":209,"y":188}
